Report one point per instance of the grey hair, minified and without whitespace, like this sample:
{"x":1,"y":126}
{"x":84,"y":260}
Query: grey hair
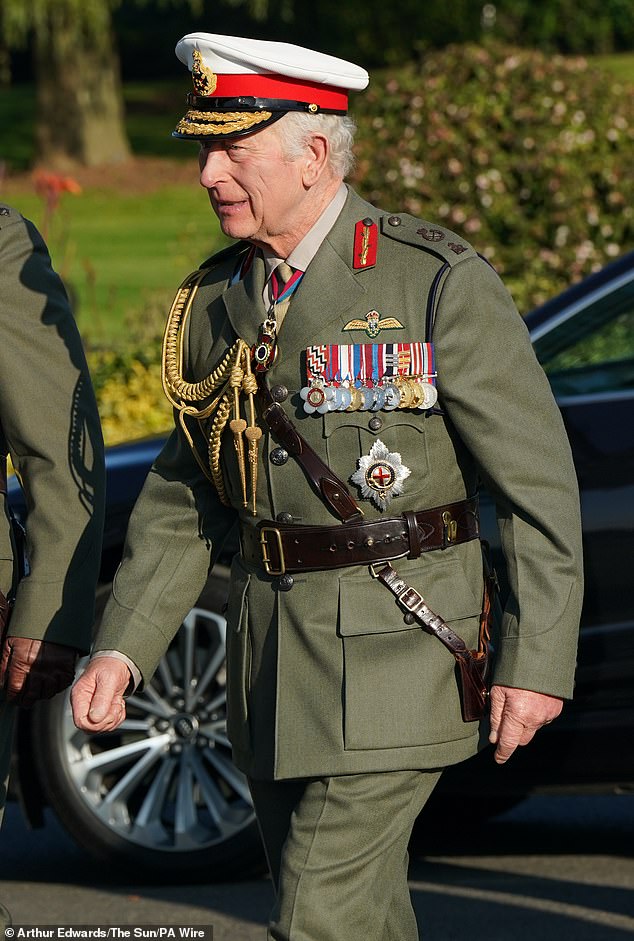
{"x":296,"y":128}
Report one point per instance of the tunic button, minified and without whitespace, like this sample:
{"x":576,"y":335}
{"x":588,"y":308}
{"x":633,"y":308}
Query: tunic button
{"x":394,"y":220}
{"x":375,"y":423}
{"x":284,"y":518}
{"x":368,"y":221}
{"x":279,"y":393}
{"x":279,"y":456}
{"x":285,"y":582}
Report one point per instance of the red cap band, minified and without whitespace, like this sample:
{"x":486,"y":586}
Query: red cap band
{"x":277,"y":86}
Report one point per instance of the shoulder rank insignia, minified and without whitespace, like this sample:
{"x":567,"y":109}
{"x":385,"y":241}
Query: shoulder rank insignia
{"x":431,"y":235}
{"x":373,"y":324}
{"x":366,"y":240}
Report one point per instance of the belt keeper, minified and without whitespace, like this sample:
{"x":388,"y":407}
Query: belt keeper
{"x":414,"y":534}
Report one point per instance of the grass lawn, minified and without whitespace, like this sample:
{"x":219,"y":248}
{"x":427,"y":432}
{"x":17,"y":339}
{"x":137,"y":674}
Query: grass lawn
{"x":123,"y":254}
{"x":124,"y":244}
{"x":620,"y":63}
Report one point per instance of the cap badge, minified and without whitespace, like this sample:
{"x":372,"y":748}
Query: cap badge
{"x":380,"y":475}
{"x":373,"y":324}
{"x":204,"y":79}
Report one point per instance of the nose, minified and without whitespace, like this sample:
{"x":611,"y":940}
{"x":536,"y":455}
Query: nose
{"x":212,"y":166}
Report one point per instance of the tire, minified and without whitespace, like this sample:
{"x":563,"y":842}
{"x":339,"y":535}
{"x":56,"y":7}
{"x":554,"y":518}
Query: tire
{"x":160,"y":794}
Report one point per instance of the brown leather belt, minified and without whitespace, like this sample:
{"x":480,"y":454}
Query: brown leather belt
{"x":280,"y":548}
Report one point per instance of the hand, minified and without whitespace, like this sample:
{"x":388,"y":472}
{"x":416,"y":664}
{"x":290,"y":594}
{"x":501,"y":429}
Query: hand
{"x":97,"y":696}
{"x":34,"y":669}
{"x":516,"y":714}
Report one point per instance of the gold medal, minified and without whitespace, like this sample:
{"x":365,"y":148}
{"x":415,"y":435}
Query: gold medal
{"x":357,"y":399}
{"x":407,"y":393}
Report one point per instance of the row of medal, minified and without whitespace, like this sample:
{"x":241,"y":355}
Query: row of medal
{"x":387,"y":376}
{"x":416,"y":392}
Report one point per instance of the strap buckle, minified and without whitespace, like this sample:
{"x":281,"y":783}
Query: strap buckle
{"x":269,"y":566}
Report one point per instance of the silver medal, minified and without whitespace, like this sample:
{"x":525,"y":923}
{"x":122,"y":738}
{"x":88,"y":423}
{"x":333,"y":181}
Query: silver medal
{"x":379,"y":399}
{"x":392,"y":397}
{"x":344,"y":399}
{"x":430,"y":395}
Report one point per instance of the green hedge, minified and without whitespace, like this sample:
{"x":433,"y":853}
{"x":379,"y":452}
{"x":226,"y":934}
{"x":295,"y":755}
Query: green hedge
{"x":527,"y":157}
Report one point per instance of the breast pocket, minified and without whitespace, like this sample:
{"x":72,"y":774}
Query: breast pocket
{"x":350,"y":437}
{"x":400,"y":686}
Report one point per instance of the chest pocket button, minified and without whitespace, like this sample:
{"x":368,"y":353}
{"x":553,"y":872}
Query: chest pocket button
{"x":279,"y":456}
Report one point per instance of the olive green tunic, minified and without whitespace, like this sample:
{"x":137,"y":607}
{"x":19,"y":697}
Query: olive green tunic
{"x":51,"y":430}
{"x":327,"y":678}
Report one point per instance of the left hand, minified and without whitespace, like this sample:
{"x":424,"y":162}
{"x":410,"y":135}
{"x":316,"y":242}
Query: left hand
{"x":34,"y":669}
{"x":516,"y":714}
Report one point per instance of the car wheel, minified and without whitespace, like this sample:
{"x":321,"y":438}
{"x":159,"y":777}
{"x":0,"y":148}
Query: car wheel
{"x":161,"y":791}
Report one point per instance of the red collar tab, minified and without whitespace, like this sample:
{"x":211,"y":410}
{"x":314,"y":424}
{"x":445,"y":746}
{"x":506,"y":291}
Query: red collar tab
{"x":366,"y":240}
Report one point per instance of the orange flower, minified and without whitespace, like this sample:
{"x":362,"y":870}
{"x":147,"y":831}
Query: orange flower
{"x":51,"y":185}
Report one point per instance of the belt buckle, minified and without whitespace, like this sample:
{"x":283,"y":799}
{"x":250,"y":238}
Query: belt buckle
{"x":264,"y":546}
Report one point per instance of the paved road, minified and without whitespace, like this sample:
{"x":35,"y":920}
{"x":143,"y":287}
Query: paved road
{"x":553,"y":869}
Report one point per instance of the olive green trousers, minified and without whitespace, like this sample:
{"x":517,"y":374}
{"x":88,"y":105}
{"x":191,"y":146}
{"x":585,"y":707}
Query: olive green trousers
{"x":337,"y":851}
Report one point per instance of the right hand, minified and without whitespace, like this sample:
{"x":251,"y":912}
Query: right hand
{"x":97,"y":696}
{"x":34,"y":669}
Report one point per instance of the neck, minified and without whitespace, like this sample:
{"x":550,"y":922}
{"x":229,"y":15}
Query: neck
{"x":315,"y":202}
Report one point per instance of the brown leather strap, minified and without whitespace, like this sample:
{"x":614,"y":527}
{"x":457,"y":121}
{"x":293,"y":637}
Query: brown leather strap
{"x":412,"y":602}
{"x":323,"y":479}
{"x":473,"y":665}
{"x":282,"y":548}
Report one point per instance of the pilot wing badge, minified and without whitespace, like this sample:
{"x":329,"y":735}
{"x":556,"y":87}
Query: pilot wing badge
{"x":373,"y":324}
{"x":380,"y":475}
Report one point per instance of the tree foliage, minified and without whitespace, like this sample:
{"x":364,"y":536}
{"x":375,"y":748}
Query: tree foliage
{"x":375,"y":32}
{"x":526,"y":156}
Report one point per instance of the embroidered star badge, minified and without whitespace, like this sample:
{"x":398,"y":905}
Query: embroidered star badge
{"x":373,"y":324}
{"x":380,"y":475}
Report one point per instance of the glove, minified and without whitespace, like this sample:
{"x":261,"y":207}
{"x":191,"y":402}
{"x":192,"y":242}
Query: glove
{"x":34,"y":669}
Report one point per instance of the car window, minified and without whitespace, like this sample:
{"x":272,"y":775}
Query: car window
{"x":592,"y":350}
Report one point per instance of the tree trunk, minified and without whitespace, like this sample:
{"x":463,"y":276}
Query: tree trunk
{"x":79,"y":98}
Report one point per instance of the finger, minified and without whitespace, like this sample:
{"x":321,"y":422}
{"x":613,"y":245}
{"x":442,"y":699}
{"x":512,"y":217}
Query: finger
{"x":81,"y":697}
{"x":497,"y":700}
{"x":509,"y":737}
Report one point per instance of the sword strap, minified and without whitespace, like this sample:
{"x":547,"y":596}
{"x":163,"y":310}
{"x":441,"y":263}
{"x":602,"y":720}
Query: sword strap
{"x":324,"y":480}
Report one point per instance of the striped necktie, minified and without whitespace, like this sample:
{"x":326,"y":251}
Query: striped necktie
{"x":284,"y":281}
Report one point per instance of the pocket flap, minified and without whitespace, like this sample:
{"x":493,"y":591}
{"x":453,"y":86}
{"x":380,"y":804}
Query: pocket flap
{"x":368,"y":607}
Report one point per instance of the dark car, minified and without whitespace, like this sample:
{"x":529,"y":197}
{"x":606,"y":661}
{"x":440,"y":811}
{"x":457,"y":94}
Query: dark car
{"x":162,"y":791}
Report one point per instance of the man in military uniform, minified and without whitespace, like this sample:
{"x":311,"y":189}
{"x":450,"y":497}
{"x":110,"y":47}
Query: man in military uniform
{"x":50,"y":427}
{"x":343,"y":378}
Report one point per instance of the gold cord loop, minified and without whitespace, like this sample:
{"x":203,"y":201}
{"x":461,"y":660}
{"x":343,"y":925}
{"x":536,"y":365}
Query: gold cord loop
{"x":231,"y":378}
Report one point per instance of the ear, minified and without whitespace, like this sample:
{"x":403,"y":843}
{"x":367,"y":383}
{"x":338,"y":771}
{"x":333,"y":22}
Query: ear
{"x":315,"y":159}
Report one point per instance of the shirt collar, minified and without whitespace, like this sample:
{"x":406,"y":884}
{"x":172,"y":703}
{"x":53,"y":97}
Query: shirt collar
{"x":305,"y":251}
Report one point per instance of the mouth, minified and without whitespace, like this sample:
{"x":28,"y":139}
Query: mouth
{"x":229,"y":207}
